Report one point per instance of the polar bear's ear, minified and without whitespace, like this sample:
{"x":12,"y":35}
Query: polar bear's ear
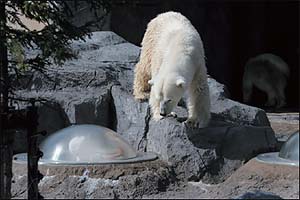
{"x":180,"y":82}
{"x":151,"y":82}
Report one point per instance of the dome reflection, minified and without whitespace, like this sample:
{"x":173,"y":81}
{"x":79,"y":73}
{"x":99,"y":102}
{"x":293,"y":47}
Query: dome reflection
{"x":290,"y":149}
{"x":288,"y":155}
{"x":86,"y":144}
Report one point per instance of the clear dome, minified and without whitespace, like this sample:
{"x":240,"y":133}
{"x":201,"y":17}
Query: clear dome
{"x":288,"y":155}
{"x":290,"y":149}
{"x":86,"y":144}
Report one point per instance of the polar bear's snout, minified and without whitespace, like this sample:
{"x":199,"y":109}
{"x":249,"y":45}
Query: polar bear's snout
{"x":166,"y":107}
{"x":163,"y":113}
{"x":163,"y":110}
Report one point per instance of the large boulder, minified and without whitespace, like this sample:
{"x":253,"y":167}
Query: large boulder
{"x":104,"y":59}
{"x":62,"y":108}
{"x":217,"y":150}
{"x":79,"y":91}
{"x":132,"y":118}
{"x":194,"y":152}
{"x":229,"y":110}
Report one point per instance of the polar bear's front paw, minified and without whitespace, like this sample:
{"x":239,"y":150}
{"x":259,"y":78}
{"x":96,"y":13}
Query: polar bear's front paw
{"x":157,"y":117}
{"x":172,"y":114}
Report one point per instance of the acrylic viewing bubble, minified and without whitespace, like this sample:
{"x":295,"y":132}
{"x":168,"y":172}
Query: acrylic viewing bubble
{"x":288,"y":155}
{"x":290,"y":149}
{"x":87,"y":144}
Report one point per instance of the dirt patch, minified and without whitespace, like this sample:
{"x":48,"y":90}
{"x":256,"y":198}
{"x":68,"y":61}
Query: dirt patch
{"x":278,"y":179}
{"x":254,"y":176}
{"x":284,"y":124}
{"x":97,"y":181}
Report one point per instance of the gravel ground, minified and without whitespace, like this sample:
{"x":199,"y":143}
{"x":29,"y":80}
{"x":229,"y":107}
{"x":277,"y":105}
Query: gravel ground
{"x":254,"y":176}
{"x":284,"y":124}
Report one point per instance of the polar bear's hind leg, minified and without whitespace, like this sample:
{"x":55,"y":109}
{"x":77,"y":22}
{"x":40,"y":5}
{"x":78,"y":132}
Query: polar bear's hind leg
{"x":141,"y":87}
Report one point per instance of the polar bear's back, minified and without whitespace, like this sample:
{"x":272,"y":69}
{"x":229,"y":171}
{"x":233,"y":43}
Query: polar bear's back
{"x":167,"y":29}
{"x":166,"y":24}
{"x":170,"y":19}
{"x":269,"y":60}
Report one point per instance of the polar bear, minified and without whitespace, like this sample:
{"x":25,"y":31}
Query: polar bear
{"x":171,"y":64}
{"x":268,"y":73}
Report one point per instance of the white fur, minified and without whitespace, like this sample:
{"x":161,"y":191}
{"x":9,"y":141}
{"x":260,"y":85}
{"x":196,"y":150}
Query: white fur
{"x":268,"y":73}
{"x":177,"y":66}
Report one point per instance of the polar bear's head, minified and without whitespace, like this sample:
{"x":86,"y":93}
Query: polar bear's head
{"x":168,"y":91}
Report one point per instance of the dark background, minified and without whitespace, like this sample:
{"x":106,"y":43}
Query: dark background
{"x":232,"y":32}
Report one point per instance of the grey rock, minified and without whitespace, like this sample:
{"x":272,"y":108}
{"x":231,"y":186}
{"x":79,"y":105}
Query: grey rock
{"x":88,"y":106}
{"x":233,"y":141}
{"x":169,"y":139}
{"x":194,"y":152}
{"x":104,"y":59}
{"x":62,"y":108}
{"x":221,"y":169}
{"x":97,"y":40}
{"x":51,"y":117}
{"x":146,"y":183}
{"x":122,"y":53}
{"x":95,"y":110}
{"x":233,"y":111}
{"x":62,"y":78}
{"x":132,"y":118}
{"x":79,"y":91}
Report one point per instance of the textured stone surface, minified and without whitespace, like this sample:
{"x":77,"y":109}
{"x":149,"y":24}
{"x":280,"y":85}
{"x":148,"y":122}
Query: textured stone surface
{"x":169,"y":139}
{"x":256,"y":180}
{"x":132,"y":118}
{"x":97,"y":181}
{"x":80,"y":91}
{"x":281,"y":180}
{"x":284,"y":124}
{"x":82,"y":106}
{"x":230,"y":110}
{"x":103,"y":60}
{"x":194,"y":152}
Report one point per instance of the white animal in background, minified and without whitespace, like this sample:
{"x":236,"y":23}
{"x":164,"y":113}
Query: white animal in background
{"x":268,"y":73}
